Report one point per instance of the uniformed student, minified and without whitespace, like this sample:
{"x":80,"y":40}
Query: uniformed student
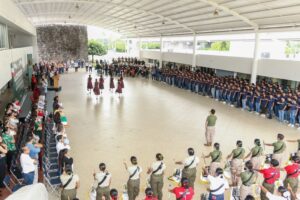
{"x":149,"y":194}
{"x":102,"y":182}
{"x":133,"y":184}
{"x":216,"y":157}
{"x":184,"y":191}
{"x":256,"y":155}
{"x":271,"y":175}
{"x":189,"y":170}
{"x":157,"y":176}
{"x":218,"y":184}
{"x":248,"y":179}
{"x":279,"y":149}
{"x":249,"y":197}
{"x":70,"y":184}
{"x":282,"y":194}
{"x":114,"y":194}
{"x":237,"y":156}
{"x":292,"y":174}
{"x":210,"y":129}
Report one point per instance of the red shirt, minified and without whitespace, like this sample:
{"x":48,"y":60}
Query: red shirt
{"x":179,"y":192}
{"x":151,"y":198}
{"x":292,"y":169}
{"x":270,"y":175}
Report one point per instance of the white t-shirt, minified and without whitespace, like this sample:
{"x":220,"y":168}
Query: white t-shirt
{"x":99,"y":177}
{"x":275,"y":197}
{"x":189,"y":160}
{"x":64,"y":179}
{"x":156,"y":165}
{"x":27,"y":163}
{"x":60,"y":146}
{"x":216,"y":182}
{"x":132,"y":169}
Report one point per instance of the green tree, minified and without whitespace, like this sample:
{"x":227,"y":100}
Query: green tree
{"x":215,"y":46}
{"x":120,"y":46}
{"x":150,"y":45}
{"x":95,"y":47}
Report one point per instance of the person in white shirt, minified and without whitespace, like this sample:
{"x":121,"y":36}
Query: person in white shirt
{"x":60,"y":145}
{"x":283,"y":193}
{"x":28,"y":166}
{"x":157,"y":176}
{"x":102,"y":181}
{"x":190,"y":171}
{"x":217,"y":184}
{"x":133,"y":184}
{"x":70,"y":184}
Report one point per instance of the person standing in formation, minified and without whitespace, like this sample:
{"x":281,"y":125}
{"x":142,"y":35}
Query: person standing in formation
{"x":210,"y":128}
{"x":111,"y":83}
{"x":96,"y":88}
{"x":216,"y":157}
{"x":101,"y":84}
{"x":279,"y":149}
{"x":122,"y":81}
{"x":237,"y":156}
{"x":70,"y":183}
{"x":157,"y":176}
{"x":102,"y":182}
{"x":217,"y":185}
{"x":133,"y":184}
{"x":89,"y":84}
{"x":256,"y":154}
{"x":119,"y":88}
{"x":292,"y":174}
{"x":190,"y":167}
{"x":248,"y":178}
{"x":184,"y":191}
{"x":271,"y":175}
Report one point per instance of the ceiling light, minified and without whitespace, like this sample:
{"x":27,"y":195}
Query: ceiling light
{"x":216,"y":12}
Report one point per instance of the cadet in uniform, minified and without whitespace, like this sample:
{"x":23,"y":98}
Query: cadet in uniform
{"x":133,"y":184}
{"x":256,"y":154}
{"x":279,"y":149}
{"x":157,"y":176}
{"x":271,"y":175}
{"x":189,"y":171}
{"x":102,"y":182}
{"x":237,"y":156}
{"x":216,"y":157}
{"x":292,"y":173}
{"x":248,"y":178}
{"x":210,"y":128}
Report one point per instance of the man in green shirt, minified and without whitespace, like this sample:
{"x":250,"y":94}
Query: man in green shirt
{"x":11,"y":147}
{"x":210,"y":128}
{"x":279,"y":149}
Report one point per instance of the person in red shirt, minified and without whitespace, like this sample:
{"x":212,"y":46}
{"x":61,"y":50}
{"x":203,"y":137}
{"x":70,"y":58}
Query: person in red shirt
{"x":149,"y":194}
{"x":271,"y":175}
{"x":33,"y":82}
{"x":184,"y":192}
{"x":292,"y":173}
{"x":114,"y":194}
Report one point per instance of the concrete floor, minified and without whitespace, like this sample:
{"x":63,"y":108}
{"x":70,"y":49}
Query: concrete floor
{"x":150,"y":117}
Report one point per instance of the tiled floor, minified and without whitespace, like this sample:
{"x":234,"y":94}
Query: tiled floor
{"x":150,"y":117}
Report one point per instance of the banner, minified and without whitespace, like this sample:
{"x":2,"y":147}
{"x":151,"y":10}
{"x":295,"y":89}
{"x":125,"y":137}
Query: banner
{"x":17,"y":72}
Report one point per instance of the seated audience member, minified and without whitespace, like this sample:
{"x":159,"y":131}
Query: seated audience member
{"x":28,"y":166}
{"x":70,"y":184}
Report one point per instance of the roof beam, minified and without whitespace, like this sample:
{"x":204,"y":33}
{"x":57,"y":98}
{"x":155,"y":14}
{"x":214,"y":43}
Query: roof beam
{"x":107,"y":3}
{"x":231,"y":12}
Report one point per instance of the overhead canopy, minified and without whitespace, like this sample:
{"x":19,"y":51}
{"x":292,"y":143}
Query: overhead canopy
{"x":145,"y":18}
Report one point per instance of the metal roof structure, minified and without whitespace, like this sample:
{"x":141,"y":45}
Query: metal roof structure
{"x":151,"y":18}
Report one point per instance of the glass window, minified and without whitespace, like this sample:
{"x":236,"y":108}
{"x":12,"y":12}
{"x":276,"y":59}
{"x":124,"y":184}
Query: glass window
{"x":3,"y":37}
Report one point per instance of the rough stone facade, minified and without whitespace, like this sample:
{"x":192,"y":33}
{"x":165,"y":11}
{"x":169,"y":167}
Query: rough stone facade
{"x":61,"y":43}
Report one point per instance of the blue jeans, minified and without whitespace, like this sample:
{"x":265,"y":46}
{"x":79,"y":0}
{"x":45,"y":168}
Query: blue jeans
{"x":244,"y":104}
{"x":213,"y":94}
{"x":257,"y":107}
{"x":28,"y":178}
{"x":293,"y":116}
{"x":281,"y":115}
{"x":216,"y":197}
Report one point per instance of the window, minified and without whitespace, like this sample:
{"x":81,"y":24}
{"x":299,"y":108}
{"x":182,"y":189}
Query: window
{"x":3,"y":37}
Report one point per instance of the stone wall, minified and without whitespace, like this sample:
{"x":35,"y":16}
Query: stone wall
{"x":60,"y":43}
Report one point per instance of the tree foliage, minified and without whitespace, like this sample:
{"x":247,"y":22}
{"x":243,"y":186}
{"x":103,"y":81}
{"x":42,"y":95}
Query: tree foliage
{"x":292,"y":48}
{"x":120,"y":46}
{"x":150,"y":45}
{"x":216,"y":46}
{"x":96,"y":47}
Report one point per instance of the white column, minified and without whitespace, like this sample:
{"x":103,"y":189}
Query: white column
{"x":140,"y":45}
{"x":255,"y":57}
{"x":194,"y":50}
{"x":160,"y":55}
